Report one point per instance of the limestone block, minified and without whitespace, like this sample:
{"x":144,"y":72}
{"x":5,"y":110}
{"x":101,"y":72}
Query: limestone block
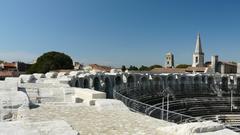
{"x":27,"y":78}
{"x":58,"y":127}
{"x":51,"y":75}
{"x":12,"y":79}
{"x":51,"y":81}
{"x":8,"y":85}
{"x":51,"y":94}
{"x":11,"y":101}
{"x":64,"y":80}
{"x":61,"y":74}
{"x":88,"y":94}
{"x":75,"y":73}
{"x":110,"y":104}
{"x":39,"y":75}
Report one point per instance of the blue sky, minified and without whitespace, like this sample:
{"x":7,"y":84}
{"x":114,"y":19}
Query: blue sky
{"x":117,"y":32}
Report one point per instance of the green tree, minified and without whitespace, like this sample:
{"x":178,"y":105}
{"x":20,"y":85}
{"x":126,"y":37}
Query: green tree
{"x":144,"y":68}
{"x":183,"y":66}
{"x":155,"y":66}
{"x":132,"y":68}
{"x":51,"y":61}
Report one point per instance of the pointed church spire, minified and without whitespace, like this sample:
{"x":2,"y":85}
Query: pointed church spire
{"x":198,"y":55}
{"x":198,"y":48}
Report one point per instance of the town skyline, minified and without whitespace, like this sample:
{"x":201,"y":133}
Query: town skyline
{"x":104,"y":33}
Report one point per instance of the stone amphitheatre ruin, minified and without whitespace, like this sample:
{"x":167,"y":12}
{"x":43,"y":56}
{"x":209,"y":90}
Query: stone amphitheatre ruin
{"x":119,"y":103}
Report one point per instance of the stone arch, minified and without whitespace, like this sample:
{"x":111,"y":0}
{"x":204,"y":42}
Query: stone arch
{"x":130,"y":81}
{"x":203,"y":78}
{"x":156,"y":83}
{"x":170,"y":82}
{"x":183,"y":83}
{"x":118,"y":81}
{"x":224,"y":85}
{"x":144,"y":83}
{"x":196,"y":83}
{"x":108,"y":87}
{"x":238,"y":85}
{"x":86,"y":83}
{"x":77,"y":83}
{"x":96,"y":83}
{"x":210,"y":82}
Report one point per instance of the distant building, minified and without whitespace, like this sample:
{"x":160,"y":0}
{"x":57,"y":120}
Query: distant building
{"x":169,"y":60}
{"x":198,"y":65}
{"x":4,"y":74}
{"x":22,"y":67}
{"x":98,"y":68}
{"x":181,"y":70}
{"x":13,"y":69}
{"x":8,"y":66}
{"x":223,"y":67}
{"x":238,"y":68}
{"x":198,"y":55}
{"x":77,"y":66}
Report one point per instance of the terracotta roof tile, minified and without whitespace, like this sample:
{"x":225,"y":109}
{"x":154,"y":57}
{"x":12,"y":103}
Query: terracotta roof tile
{"x":9,"y":65}
{"x":100,"y":67}
{"x":8,"y":74}
{"x":168,"y":70}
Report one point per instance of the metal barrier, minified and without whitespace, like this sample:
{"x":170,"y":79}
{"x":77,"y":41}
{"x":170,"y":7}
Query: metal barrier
{"x":156,"y":111}
{"x":160,"y":113}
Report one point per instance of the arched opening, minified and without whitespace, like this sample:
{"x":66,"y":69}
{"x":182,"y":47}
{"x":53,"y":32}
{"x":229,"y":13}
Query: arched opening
{"x":224,"y":85}
{"x":182,"y":83}
{"x":196,"y":86}
{"x":144,"y":83}
{"x":130,"y":82}
{"x":96,"y":83}
{"x":156,"y":84}
{"x":210,"y":83}
{"x":85,"y":83}
{"x":238,"y":86}
{"x":77,"y":83}
{"x":108,"y":89}
{"x":170,"y":83}
{"x":118,"y":81}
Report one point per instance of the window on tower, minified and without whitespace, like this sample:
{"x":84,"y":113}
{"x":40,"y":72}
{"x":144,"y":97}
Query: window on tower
{"x":196,"y":59}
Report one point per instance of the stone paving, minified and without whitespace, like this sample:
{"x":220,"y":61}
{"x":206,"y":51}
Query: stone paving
{"x":89,"y":120}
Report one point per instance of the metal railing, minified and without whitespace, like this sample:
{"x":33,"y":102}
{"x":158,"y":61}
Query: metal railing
{"x":160,"y":113}
{"x":157,"y":111}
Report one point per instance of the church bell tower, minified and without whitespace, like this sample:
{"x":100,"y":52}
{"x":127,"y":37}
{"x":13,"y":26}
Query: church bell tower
{"x":198,"y":55}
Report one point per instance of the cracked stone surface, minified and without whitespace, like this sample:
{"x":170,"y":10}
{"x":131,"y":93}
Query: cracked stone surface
{"x":88,"y":120}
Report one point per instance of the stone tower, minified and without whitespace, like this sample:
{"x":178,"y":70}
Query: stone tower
{"x":214,"y":62}
{"x":169,"y":60}
{"x":198,"y":55}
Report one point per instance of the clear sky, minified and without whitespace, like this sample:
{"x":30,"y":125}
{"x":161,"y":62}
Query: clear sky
{"x":117,"y":32}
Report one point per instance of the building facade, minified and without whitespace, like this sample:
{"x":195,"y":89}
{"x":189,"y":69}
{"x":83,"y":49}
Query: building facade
{"x":169,"y":60}
{"x":222,"y":67}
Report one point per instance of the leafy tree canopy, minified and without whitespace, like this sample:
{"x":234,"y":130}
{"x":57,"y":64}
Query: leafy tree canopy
{"x":183,"y":66}
{"x":155,"y":66}
{"x":132,"y":68}
{"x":51,"y":61}
{"x":144,"y":68}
